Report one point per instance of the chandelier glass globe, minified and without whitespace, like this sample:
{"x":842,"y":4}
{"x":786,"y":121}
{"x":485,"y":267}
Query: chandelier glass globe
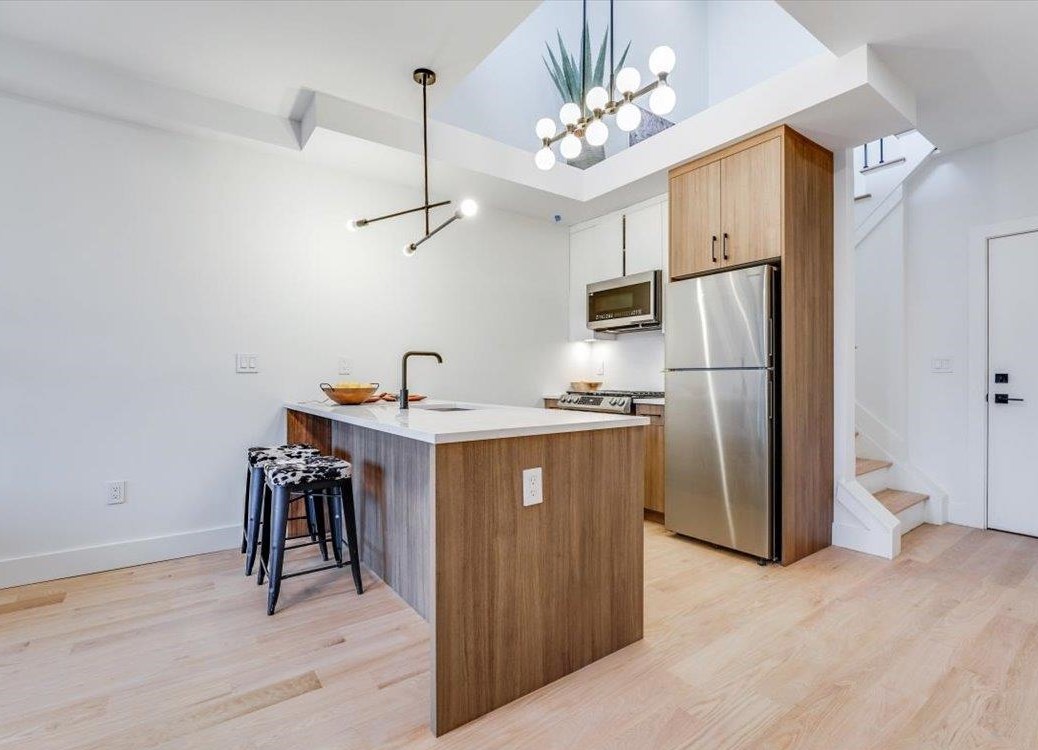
{"x":570,"y":146}
{"x":544,"y":159}
{"x":628,"y":117}
{"x":545,"y":128}
{"x":662,"y":99}
{"x":662,"y":60}
{"x":569,"y":114}
{"x":597,"y":133}
{"x":628,"y":80}
{"x":597,"y":98}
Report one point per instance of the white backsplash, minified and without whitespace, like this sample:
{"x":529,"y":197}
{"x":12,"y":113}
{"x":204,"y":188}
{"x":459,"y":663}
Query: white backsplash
{"x":633,"y":361}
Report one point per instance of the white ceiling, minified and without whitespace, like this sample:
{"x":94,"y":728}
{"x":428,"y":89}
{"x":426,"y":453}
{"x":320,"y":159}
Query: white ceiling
{"x":261,"y":54}
{"x":973,"y":65}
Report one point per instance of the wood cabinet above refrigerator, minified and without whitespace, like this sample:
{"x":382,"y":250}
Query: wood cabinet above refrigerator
{"x":727,"y":208}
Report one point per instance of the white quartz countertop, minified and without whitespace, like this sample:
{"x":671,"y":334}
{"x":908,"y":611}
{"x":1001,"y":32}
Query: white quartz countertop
{"x":422,"y":421}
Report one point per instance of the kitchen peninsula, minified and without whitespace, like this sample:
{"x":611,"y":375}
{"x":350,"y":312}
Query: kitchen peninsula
{"x":518,"y":593}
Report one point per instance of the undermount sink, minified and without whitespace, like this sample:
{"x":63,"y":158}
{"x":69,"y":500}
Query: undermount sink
{"x":444,"y":407}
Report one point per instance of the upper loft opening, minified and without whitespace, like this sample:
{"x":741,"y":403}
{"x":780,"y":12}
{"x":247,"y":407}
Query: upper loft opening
{"x":722,"y":48}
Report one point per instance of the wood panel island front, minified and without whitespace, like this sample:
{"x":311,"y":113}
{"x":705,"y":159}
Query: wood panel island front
{"x":517,"y":595}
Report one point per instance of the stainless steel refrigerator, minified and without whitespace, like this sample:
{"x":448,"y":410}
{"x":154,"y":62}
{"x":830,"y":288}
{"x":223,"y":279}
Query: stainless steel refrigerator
{"x":722,"y":420}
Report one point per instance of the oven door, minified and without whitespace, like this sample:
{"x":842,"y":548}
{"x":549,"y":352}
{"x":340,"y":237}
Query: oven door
{"x":627,"y":302}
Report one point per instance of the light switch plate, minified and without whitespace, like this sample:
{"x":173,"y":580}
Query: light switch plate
{"x":533,"y":489}
{"x":942,"y":364}
{"x":246,"y":364}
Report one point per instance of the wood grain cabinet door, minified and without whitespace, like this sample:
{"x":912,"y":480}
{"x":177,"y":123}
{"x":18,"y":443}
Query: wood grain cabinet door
{"x":751,"y":204}
{"x":695,"y":221}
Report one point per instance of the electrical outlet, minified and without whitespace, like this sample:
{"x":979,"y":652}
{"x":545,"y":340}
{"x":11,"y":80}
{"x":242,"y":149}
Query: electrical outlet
{"x":115,"y":492}
{"x":532,"y":486}
{"x":246,"y":364}
{"x":344,"y":366}
{"x":942,"y":364}
{"x":600,"y":369}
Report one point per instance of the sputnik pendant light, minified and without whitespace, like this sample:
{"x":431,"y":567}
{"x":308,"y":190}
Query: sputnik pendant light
{"x":586,"y":119}
{"x":466,"y":209}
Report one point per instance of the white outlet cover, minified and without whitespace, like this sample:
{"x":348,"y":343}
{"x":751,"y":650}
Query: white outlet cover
{"x":942,"y":364}
{"x":115,"y":492}
{"x":344,"y":366}
{"x":533,"y":487}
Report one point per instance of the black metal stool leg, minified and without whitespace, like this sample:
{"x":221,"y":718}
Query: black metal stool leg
{"x":346,"y":490}
{"x":311,"y":516}
{"x":319,"y":523}
{"x":335,"y":518}
{"x":253,"y":517}
{"x":279,"y":522}
{"x":265,"y":502}
{"x":245,"y":512}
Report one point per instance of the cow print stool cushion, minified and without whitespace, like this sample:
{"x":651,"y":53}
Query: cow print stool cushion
{"x":261,"y":456}
{"x":307,"y":471}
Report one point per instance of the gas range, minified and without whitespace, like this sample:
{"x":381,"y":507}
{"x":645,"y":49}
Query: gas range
{"x":613,"y":402}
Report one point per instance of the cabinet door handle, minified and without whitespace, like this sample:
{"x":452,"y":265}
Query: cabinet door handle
{"x":713,"y":248}
{"x":724,"y":246}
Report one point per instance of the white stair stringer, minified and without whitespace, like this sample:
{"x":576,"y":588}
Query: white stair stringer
{"x":861,"y":523}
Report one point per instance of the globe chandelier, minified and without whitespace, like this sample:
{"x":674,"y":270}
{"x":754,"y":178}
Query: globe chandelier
{"x":585,"y":121}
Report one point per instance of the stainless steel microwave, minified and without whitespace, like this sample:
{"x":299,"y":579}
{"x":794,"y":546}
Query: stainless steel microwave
{"x":629,"y":303}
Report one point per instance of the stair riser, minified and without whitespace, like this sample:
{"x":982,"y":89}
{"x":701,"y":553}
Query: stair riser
{"x":912,"y":517}
{"x":874,"y":481}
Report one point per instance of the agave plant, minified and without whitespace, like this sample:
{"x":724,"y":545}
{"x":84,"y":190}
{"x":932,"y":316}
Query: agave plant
{"x":566,"y":75}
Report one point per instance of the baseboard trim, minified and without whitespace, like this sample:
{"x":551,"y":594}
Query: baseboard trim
{"x":18,"y":571}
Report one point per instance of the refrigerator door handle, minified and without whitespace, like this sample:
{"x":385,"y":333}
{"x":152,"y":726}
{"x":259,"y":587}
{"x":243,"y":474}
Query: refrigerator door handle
{"x":771,"y":395}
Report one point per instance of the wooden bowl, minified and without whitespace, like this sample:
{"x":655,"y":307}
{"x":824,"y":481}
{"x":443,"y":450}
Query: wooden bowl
{"x":585,"y":386}
{"x":349,"y":396}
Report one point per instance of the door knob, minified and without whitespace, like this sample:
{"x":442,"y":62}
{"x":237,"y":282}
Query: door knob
{"x":1003,"y":398}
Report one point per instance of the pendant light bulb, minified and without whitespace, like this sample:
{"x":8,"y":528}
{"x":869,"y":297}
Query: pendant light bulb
{"x":545,"y":128}
{"x":628,"y":80}
{"x":628,"y":117}
{"x":597,"y":98}
{"x":544,"y":159}
{"x":569,"y":114}
{"x":410,"y":250}
{"x":352,"y":225}
{"x":468,"y":208}
{"x":662,"y":99}
{"x":597,"y":133}
{"x":570,"y":146}
{"x":662,"y":60}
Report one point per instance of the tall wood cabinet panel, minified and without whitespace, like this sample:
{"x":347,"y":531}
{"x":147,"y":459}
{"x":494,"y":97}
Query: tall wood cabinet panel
{"x":776,"y":204}
{"x":695,"y":221}
{"x":751,"y":204}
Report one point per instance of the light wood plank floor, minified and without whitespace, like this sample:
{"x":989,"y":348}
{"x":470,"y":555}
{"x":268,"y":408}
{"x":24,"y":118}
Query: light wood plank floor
{"x":938,"y":649}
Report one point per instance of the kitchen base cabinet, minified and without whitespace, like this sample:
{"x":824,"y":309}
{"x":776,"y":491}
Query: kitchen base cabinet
{"x":653,"y":456}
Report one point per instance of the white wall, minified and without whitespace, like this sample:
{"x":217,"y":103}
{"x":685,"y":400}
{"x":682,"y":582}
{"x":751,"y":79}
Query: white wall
{"x":134,"y":263}
{"x":632,"y":361}
{"x":945,"y":199}
{"x":748,"y":42}
{"x":879,"y":323}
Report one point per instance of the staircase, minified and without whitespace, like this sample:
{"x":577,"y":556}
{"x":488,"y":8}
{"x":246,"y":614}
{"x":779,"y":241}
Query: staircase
{"x":908,"y":507}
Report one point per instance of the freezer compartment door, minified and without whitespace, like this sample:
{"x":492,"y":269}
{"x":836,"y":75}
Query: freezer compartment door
{"x":718,"y":458}
{"x":721,"y":320}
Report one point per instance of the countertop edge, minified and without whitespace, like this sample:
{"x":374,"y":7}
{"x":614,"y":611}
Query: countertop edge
{"x":321,"y":410}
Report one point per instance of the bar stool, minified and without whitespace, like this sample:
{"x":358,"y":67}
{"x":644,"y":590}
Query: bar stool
{"x":326,"y":477}
{"x":259,"y":458}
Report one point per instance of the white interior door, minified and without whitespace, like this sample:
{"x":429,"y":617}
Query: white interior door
{"x":1013,"y":383}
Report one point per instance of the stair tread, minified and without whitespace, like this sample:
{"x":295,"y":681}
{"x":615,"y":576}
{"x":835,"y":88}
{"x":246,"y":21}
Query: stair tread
{"x":898,"y":500}
{"x":865,"y":465}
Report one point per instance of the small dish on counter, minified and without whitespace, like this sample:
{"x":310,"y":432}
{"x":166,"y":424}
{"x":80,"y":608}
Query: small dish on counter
{"x":349,"y":394}
{"x":585,"y":386}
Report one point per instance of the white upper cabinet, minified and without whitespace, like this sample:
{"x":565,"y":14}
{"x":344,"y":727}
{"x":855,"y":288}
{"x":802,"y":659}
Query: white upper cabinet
{"x":646,"y":237}
{"x":596,"y":253}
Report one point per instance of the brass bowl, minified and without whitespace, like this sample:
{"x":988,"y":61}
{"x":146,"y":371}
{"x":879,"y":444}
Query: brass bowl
{"x":349,"y":396}
{"x":585,"y":386}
